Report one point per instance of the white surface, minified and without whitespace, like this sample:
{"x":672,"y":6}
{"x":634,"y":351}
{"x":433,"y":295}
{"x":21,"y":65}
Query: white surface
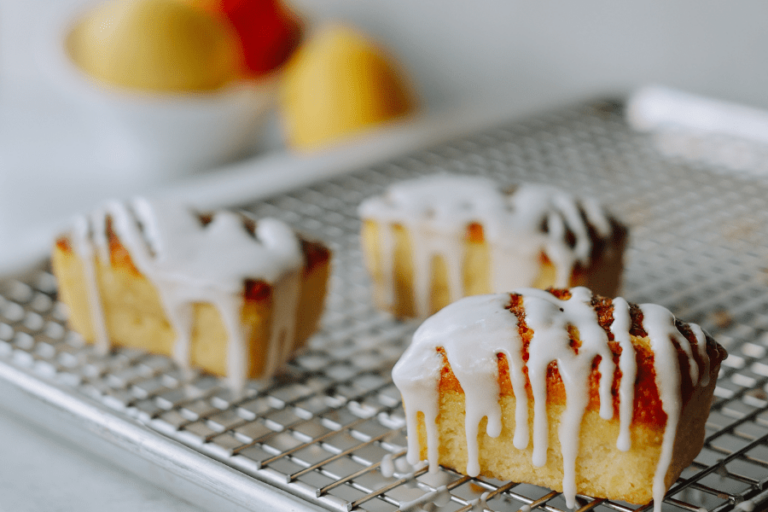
{"x":702,"y":129}
{"x":659,"y":108}
{"x":39,"y":472}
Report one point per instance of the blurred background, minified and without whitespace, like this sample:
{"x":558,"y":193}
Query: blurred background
{"x":527,"y":53}
{"x":71,"y":135}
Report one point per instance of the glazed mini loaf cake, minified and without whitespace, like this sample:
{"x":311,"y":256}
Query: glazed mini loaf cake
{"x":224,"y":293}
{"x":429,"y":241}
{"x":562,"y":389}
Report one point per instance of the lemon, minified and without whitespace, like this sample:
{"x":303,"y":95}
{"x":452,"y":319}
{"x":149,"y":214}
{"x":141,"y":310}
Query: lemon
{"x":158,"y":45}
{"x":339,"y":84}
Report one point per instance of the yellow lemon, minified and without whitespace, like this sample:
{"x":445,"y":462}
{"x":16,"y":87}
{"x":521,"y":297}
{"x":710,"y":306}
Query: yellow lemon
{"x":338,"y":84}
{"x":159,"y":45}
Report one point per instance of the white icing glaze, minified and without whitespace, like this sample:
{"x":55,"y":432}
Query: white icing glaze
{"x":473,"y":331}
{"x":436,"y":211}
{"x":190,"y":263}
{"x":659,"y":323}
{"x":549,"y":319}
{"x":481,"y":322}
{"x":479,"y":504}
{"x":620,"y":327}
{"x":440,"y":497}
{"x":701,"y":345}
{"x":387,"y":466}
{"x":403,"y":466}
{"x":81,"y":233}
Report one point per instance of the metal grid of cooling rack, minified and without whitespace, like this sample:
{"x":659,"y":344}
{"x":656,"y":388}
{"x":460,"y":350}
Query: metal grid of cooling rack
{"x":699,"y":245}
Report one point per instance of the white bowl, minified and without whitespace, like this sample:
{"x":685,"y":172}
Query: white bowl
{"x":172,"y":132}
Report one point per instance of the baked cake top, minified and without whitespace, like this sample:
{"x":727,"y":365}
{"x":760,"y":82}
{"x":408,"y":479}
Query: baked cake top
{"x":600,"y":348}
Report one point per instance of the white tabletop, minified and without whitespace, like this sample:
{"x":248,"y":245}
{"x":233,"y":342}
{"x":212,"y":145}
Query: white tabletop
{"x":41,"y":472}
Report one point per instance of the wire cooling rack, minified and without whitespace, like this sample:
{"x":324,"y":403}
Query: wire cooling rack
{"x":322,"y":430}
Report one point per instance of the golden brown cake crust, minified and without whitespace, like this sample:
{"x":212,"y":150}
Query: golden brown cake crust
{"x":647,"y":407}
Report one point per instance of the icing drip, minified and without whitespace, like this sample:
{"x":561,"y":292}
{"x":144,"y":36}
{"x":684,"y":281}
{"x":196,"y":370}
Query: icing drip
{"x":480,"y":504}
{"x":481,"y":322}
{"x":620,"y":327}
{"x":440,"y":497}
{"x":659,"y":323}
{"x":549,"y":318}
{"x":701,"y":345}
{"x":387,"y":466}
{"x":472,"y":332}
{"x":437,"y":210}
{"x":191,"y":263}
{"x":81,"y":232}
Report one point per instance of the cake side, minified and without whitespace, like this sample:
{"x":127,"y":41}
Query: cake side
{"x":602,"y":470}
{"x":430,"y":241}
{"x":396,"y":294}
{"x":134,"y":311}
{"x":135,"y":318}
{"x":314,"y":287}
{"x":603,"y":275}
{"x":560,"y":388}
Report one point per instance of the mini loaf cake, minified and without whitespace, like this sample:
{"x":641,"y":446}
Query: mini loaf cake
{"x":224,"y":293}
{"x":562,"y":389}
{"x":430,"y":241}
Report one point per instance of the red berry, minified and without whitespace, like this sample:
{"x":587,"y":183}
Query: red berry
{"x":269,"y":32}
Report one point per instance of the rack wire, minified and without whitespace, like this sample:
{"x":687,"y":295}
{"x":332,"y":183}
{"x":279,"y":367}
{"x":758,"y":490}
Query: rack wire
{"x":323,"y":429}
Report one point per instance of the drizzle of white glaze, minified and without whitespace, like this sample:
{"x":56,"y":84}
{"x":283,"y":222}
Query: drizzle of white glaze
{"x":190,"y":263}
{"x":81,"y":232}
{"x":659,"y":323}
{"x":479,"y":505}
{"x":481,"y":322}
{"x":403,"y":466}
{"x":486,"y":325}
{"x":622,"y":323}
{"x":387,"y":466}
{"x":701,"y":345}
{"x":440,"y":497}
{"x":549,"y":318}
{"x":436,"y":211}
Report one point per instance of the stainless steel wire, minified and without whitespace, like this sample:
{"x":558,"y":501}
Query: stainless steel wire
{"x":320,"y":430}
